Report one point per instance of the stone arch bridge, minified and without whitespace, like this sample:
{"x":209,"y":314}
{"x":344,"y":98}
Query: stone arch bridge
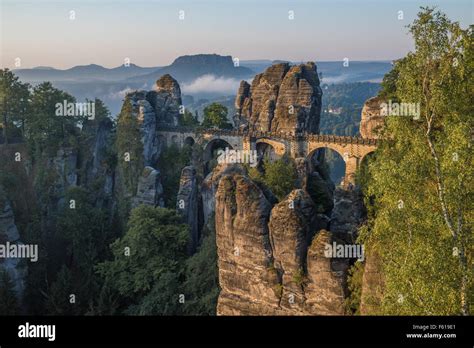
{"x":351,"y":149}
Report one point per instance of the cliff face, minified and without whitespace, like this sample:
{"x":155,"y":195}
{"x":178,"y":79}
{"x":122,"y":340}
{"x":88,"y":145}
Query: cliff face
{"x":210,"y":184}
{"x":249,"y":284}
{"x":371,"y":121}
{"x":348,"y":213}
{"x":188,"y":205}
{"x":15,"y":267}
{"x":152,"y":109}
{"x":149,"y":190}
{"x":283,"y":98}
{"x":269,"y":262}
{"x":96,"y":163}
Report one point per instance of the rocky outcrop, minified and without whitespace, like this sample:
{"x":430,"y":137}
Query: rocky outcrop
{"x":348,"y":213}
{"x":266,"y":267}
{"x":100,"y":142}
{"x":187,"y":203}
{"x":152,"y":109}
{"x":96,"y":161}
{"x":150,"y":190}
{"x":61,"y":170}
{"x":210,"y":185}
{"x":371,"y":119}
{"x":291,"y":230}
{"x":159,"y":107}
{"x":326,"y":286}
{"x":283,"y":98}
{"x":15,"y":267}
{"x":249,"y":284}
{"x":147,"y":119}
{"x":166,"y":100}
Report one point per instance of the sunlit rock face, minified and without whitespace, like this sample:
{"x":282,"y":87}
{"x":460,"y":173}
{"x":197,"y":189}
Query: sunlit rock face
{"x":283,"y":98}
{"x":271,"y":258}
{"x":372,"y":119}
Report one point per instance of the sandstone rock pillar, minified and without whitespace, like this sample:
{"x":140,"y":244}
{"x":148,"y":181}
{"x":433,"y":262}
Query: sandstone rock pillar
{"x":352,"y":163}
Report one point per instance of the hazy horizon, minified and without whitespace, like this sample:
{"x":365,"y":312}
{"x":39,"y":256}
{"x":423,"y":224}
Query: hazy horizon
{"x":152,"y":34}
{"x":159,"y":66}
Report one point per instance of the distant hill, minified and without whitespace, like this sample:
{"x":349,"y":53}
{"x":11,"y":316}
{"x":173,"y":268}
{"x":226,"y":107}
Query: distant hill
{"x":183,"y":69}
{"x":188,"y":68}
{"x":82,"y":73}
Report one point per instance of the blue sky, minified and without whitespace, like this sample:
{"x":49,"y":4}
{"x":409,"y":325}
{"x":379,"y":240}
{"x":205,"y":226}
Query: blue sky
{"x":150,"y":33}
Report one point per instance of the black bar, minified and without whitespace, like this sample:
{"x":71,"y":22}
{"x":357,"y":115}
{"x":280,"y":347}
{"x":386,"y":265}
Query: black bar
{"x":242,"y":330}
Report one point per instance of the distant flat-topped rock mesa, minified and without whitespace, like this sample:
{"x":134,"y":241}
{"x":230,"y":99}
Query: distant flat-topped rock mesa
{"x":283,"y":98}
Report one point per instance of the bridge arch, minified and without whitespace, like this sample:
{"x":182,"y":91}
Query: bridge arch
{"x":174,"y":140}
{"x":334,"y":159}
{"x":334,"y":147}
{"x":265,"y":150}
{"x":278,"y":147}
{"x":366,"y":154}
{"x":210,"y":153}
{"x":189,"y":140}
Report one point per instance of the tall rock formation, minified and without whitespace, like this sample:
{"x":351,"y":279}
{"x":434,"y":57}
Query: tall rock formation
{"x":210,"y":184}
{"x":291,"y":230}
{"x":149,"y":190}
{"x":269,"y":261}
{"x":348,"y":213}
{"x":283,"y":98}
{"x":188,"y":203}
{"x":166,"y":100}
{"x":153,"y":109}
{"x":98,"y":167}
{"x":371,"y":120}
{"x":249,"y":284}
{"x":327,"y":277}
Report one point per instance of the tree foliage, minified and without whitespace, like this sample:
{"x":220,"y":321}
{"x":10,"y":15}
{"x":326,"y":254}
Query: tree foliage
{"x":129,"y":147}
{"x":188,"y":120}
{"x":202,"y":282}
{"x":215,"y":116}
{"x":421,"y":180}
{"x":14,"y":103}
{"x":148,"y":262}
{"x":279,"y":176}
{"x":172,"y":160}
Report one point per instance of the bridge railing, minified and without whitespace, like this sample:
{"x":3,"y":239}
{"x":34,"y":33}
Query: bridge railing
{"x":335,"y":139}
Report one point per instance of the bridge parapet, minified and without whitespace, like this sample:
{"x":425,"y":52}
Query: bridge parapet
{"x":335,"y":139}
